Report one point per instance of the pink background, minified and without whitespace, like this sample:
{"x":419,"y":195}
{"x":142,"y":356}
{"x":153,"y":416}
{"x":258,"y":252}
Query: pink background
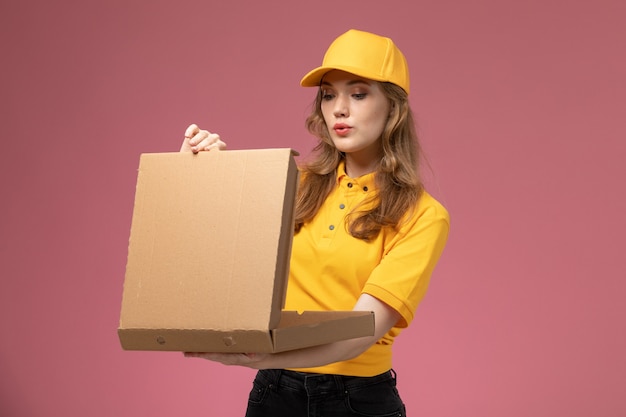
{"x":521,"y":107}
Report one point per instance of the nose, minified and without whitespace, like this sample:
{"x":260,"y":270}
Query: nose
{"x":341,"y":108}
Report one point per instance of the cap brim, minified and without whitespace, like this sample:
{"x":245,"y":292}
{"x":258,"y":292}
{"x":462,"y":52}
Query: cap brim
{"x":314,"y":78}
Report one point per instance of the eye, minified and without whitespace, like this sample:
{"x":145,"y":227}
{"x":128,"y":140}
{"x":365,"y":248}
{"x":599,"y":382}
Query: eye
{"x":327,"y":95}
{"x":359,"y":96}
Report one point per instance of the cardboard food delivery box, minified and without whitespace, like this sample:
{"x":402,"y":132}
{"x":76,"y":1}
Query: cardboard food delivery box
{"x":208,"y":258}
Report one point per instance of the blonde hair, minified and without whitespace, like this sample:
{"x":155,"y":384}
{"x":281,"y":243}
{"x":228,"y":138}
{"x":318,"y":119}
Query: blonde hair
{"x":397,"y":176}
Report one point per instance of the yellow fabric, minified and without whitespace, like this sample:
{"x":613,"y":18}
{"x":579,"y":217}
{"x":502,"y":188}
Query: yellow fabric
{"x":330,"y":269}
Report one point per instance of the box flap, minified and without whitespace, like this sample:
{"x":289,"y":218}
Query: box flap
{"x":210,"y":240}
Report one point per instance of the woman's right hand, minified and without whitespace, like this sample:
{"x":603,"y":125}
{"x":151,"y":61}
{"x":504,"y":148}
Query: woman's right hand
{"x":198,"y":140}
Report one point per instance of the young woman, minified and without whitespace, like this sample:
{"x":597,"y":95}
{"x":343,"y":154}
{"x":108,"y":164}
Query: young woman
{"x":367,"y":236}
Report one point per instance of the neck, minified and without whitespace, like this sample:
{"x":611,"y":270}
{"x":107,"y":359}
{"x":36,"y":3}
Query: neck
{"x":356,"y":167}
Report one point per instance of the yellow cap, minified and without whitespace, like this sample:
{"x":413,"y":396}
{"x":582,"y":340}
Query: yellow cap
{"x":366,"y":55}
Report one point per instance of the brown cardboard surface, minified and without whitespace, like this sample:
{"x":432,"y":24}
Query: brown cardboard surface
{"x":208,"y":257}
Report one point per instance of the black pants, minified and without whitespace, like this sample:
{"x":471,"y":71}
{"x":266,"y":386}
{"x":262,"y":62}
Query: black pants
{"x":280,"y":393}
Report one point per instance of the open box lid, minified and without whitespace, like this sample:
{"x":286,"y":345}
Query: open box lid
{"x":208,"y":257}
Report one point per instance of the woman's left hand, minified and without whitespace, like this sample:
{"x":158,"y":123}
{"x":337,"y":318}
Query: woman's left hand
{"x":250,"y":360}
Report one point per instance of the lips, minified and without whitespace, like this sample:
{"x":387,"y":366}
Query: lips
{"x":342,"y":129}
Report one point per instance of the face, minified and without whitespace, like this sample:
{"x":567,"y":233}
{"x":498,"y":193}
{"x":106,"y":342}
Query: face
{"x":355,"y":110}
